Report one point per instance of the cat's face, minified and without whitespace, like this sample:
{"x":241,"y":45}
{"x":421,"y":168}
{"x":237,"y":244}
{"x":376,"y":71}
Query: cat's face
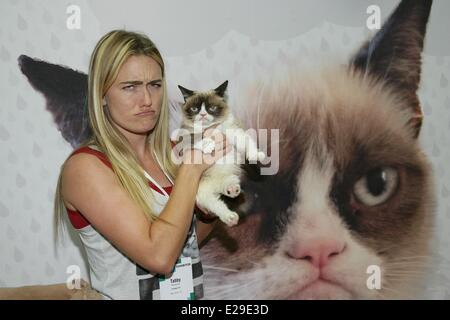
{"x":204,"y":108}
{"x":352,"y":199}
{"x":353,"y":190}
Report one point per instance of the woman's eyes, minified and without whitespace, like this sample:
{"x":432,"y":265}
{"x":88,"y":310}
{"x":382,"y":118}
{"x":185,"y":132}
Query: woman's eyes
{"x":130,"y":87}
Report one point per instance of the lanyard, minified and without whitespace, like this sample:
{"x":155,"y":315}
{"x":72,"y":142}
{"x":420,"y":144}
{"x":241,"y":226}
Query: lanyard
{"x":156,"y":184}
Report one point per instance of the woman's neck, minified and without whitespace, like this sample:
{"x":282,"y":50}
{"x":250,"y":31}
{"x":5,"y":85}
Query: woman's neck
{"x":139,"y":144}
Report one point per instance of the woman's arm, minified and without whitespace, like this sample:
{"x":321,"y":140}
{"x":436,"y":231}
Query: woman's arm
{"x":93,"y":189}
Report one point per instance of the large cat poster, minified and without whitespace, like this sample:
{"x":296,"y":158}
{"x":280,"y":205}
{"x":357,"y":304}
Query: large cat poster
{"x":352,"y":103}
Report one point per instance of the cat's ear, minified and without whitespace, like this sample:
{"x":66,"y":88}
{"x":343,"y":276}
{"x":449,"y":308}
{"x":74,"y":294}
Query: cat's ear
{"x":221,"y":90}
{"x":65,"y":91}
{"x":186,"y":93}
{"x":393,"y":55}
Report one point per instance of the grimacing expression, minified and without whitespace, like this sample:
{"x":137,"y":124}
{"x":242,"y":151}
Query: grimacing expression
{"x":134,"y":99}
{"x":205,"y":108}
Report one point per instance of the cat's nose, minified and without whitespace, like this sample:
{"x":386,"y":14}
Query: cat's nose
{"x":318,"y":250}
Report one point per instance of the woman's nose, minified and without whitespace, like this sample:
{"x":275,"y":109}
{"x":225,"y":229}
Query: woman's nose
{"x":147,"y":98}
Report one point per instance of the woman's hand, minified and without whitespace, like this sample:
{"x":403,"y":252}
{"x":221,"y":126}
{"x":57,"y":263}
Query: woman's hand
{"x":199,"y":160}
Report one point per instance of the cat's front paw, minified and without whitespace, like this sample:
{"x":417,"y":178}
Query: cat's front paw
{"x":261,"y":156}
{"x":230,"y":219}
{"x":255,"y":155}
{"x":232,"y":190}
{"x":208,"y":145}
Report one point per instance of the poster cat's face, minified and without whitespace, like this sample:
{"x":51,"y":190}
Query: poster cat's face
{"x":352,"y":201}
{"x":350,"y":207}
{"x":353,"y":190}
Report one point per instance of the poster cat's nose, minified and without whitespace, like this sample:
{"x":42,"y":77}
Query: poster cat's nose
{"x":318,"y":250}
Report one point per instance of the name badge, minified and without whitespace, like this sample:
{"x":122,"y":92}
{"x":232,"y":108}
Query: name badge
{"x":179,"y":285}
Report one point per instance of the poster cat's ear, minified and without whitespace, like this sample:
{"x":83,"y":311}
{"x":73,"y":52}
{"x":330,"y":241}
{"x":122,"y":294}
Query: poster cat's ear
{"x":186,"y":92}
{"x":220,"y":90}
{"x":65,"y":91}
{"x":394,"y":54}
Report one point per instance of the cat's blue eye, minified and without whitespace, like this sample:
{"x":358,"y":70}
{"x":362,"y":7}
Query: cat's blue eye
{"x":376,"y":186}
{"x":194,"y":109}
{"x":212,"y":108}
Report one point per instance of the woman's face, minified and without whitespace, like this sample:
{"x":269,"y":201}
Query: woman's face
{"x":134,"y":99}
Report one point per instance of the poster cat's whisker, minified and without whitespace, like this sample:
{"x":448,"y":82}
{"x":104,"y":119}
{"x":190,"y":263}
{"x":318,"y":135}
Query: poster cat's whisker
{"x":220,"y":268}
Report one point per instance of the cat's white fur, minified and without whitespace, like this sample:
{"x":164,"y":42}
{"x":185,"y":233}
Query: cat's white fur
{"x":278,"y":276}
{"x":223,"y":178}
{"x":275,"y":275}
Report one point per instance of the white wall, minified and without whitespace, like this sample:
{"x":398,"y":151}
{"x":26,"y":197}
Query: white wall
{"x":204,"y":42}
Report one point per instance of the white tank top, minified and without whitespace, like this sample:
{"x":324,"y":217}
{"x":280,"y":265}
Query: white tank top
{"x":115,"y":276}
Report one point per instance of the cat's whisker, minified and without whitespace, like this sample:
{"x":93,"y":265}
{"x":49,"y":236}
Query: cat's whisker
{"x":400,"y":272}
{"x":411,"y":257}
{"x":384,"y":288}
{"x":406,"y":264}
{"x":405,"y":270}
{"x":227,"y":291}
{"x":388,"y":248}
{"x":403,"y":276}
{"x":220,"y":268}
{"x":254,"y":263}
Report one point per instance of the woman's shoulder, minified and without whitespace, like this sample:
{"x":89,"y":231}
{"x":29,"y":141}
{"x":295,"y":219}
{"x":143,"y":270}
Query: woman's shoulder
{"x":84,"y":170}
{"x":87,"y":154}
{"x":83,"y":164}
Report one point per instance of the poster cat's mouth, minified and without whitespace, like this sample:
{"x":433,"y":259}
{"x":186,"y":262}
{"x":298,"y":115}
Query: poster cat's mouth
{"x":321,"y":289}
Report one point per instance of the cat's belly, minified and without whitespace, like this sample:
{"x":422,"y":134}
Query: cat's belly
{"x":226,"y":166}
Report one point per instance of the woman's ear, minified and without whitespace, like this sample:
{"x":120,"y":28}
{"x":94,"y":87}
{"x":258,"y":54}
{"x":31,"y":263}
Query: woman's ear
{"x":104,"y":101}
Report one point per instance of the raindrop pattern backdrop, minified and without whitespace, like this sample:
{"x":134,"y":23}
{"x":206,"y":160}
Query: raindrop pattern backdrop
{"x":32,"y":149}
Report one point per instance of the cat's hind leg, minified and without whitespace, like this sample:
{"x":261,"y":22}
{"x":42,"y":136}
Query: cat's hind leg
{"x":209,"y":198}
{"x":231,"y":186}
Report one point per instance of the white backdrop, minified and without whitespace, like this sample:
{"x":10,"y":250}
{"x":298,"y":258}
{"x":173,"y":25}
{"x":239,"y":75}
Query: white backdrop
{"x":204,"y":43}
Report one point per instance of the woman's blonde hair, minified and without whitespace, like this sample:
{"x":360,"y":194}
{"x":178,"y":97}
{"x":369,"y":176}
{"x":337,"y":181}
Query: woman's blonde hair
{"x":109,"y":55}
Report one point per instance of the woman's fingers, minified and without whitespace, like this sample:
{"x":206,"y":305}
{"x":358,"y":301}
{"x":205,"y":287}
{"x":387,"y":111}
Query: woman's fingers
{"x":221,"y":148}
{"x":221,"y":142}
{"x":214,"y":134}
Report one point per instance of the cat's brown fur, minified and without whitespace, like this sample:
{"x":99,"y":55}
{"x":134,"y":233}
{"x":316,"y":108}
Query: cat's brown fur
{"x":335,"y":125}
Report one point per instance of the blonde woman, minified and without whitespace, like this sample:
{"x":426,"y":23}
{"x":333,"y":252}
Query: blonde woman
{"x":132,"y":207}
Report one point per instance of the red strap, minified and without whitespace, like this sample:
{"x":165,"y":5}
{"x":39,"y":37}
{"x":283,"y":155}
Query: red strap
{"x":76,"y":218}
{"x":94,"y":152}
